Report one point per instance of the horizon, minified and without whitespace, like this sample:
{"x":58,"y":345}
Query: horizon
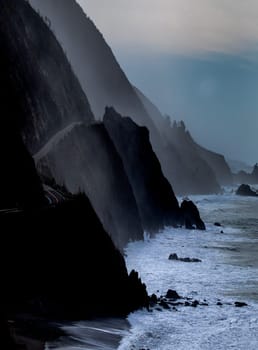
{"x":197,"y":63}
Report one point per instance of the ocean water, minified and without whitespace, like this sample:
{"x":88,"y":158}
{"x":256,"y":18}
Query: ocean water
{"x":228,"y":273}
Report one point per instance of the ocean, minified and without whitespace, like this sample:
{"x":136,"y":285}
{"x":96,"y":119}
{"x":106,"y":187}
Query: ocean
{"x":227,"y":273}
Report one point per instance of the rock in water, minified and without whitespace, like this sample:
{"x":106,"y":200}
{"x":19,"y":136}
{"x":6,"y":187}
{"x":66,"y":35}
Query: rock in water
{"x":240,"y":304}
{"x":245,"y":190}
{"x":172,"y":294}
{"x":191,"y":216}
{"x":191,"y":260}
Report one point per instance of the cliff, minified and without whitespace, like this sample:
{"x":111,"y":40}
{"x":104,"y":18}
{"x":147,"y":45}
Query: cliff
{"x":20,"y":186}
{"x":39,"y":91}
{"x":61,"y":262}
{"x":155,"y":198}
{"x":92,"y":59}
{"x":85,"y":159}
{"x":105,"y":84}
{"x":64,"y":265}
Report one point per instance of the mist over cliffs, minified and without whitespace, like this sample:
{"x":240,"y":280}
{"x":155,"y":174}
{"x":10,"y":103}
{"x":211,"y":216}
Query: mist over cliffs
{"x":107,"y":85}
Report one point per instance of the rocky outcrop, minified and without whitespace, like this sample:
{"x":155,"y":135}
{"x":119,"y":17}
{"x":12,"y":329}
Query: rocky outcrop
{"x":191,"y":216}
{"x":86,"y":160}
{"x":64,"y":265}
{"x":245,"y":190}
{"x":155,"y":198}
{"x":39,"y":92}
{"x":244,"y":177}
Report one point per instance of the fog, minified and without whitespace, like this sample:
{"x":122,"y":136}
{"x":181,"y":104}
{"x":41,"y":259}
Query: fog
{"x":197,"y":60}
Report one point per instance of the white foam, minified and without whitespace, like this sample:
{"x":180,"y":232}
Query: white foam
{"x":210,"y":327}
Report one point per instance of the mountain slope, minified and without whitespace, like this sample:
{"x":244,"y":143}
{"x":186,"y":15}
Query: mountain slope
{"x":92,"y":59}
{"x":37,"y":76}
{"x":107,"y":85}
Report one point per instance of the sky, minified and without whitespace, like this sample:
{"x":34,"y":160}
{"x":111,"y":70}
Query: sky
{"x":197,"y":60}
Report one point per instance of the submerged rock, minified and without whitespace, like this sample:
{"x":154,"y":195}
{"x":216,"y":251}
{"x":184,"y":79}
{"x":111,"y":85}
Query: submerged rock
{"x":218,"y":224}
{"x":240,"y":304}
{"x":191,"y":260}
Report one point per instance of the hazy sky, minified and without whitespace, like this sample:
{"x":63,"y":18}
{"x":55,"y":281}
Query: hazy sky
{"x":196,"y":59}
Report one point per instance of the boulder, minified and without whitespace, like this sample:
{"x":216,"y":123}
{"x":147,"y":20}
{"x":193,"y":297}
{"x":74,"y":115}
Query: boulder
{"x":240,"y":304}
{"x":191,"y":260}
{"x":245,"y":190}
{"x":172,"y":294}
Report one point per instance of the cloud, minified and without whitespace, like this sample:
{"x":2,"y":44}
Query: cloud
{"x":177,"y":26}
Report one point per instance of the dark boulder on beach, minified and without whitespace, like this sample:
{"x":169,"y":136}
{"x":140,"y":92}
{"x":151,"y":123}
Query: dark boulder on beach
{"x":245,"y":190}
{"x":191,"y":216}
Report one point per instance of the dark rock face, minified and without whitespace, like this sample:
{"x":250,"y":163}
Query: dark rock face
{"x":156,"y":201}
{"x":245,"y":190}
{"x":20,"y":185}
{"x":87,"y":160}
{"x":39,"y":93}
{"x":191,"y":216}
{"x":93,"y":61}
{"x":6,"y":340}
{"x":65,"y":265}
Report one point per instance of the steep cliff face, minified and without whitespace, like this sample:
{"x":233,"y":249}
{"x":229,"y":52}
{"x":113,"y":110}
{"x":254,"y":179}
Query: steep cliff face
{"x":85,"y":159}
{"x":156,"y":201}
{"x":92,"y":59}
{"x":64,"y":270}
{"x":106,"y":85}
{"x":39,"y":91}
{"x":20,"y":186}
